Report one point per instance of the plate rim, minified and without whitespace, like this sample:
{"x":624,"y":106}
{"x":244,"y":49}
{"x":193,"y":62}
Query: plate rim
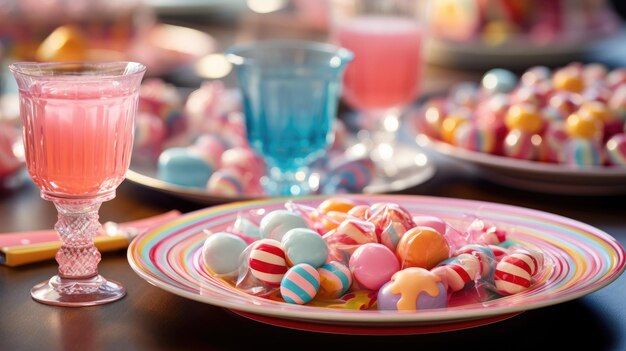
{"x":424,"y":173}
{"x":386,"y":317}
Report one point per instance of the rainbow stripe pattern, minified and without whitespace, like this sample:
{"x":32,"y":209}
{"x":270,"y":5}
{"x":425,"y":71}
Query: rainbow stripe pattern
{"x":579,"y":259}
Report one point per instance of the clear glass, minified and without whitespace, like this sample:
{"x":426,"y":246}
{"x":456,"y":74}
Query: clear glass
{"x":77,"y":128}
{"x":290,"y":90}
{"x":387,"y":38}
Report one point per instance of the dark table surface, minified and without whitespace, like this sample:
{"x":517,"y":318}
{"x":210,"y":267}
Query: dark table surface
{"x":149,"y":318}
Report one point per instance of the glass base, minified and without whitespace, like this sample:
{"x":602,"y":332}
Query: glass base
{"x":287,"y":183}
{"x":77,"y":292}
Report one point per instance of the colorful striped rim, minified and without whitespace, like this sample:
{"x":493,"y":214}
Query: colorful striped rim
{"x":580,"y":259}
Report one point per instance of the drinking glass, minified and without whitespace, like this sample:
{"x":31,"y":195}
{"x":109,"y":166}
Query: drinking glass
{"x":290,"y":91}
{"x":77,"y":127}
{"x":387,"y":39}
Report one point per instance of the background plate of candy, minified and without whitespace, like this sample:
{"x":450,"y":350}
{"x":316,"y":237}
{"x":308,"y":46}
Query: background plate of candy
{"x":559,"y":130}
{"x":475,"y":33}
{"x":455,"y":260}
{"x":194,"y":146}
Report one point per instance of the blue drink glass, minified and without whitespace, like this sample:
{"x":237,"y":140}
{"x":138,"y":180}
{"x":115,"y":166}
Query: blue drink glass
{"x":290,"y":91}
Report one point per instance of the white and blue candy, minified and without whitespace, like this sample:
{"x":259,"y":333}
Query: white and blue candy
{"x":221,"y":252}
{"x":304,"y":245}
{"x":275,"y":224}
{"x":499,"y":80}
{"x":184,"y":167}
{"x":300,"y":284}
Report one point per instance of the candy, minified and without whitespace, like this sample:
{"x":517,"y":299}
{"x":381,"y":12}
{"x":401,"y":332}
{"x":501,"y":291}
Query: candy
{"x":150,"y":132}
{"x":616,"y":149}
{"x":300,"y":284}
{"x":351,"y":233}
{"x":350,"y":175}
{"x":304,"y":245}
{"x":485,"y":256}
{"x":372,"y":265}
{"x":336,"y":204}
{"x":473,"y":137}
{"x":535,"y":75}
{"x":452,"y":122}
{"x":524,"y":117}
{"x":360,"y":211}
{"x":582,"y":126}
{"x":521,"y":145}
{"x":553,"y":142}
{"x":267,"y":262}
{"x":277,"y":223}
{"x":582,"y":152}
{"x":499,"y":80}
{"x":221,"y":250}
{"x":335,"y":280}
{"x":182,"y":166}
{"x":568,"y":79}
{"x":412,"y":289}
{"x":422,"y":247}
{"x":513,"y":273}
{"x":437,"y":223}
{"x":457,"y":271}
{"x":225,"y":182}
{"x":210,"y":147}
{"x":246,"y":161}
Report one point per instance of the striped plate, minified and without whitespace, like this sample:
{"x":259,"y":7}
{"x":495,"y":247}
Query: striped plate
{"x":580,"y":259}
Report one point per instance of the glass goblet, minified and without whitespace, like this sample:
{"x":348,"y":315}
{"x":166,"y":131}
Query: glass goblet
{"x":387,"y":39}
{"x":290,"y":90}
{"x":77,"y":127}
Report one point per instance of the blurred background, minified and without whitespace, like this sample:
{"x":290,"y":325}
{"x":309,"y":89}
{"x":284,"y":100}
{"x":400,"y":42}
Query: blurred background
{"x":182,"y":41}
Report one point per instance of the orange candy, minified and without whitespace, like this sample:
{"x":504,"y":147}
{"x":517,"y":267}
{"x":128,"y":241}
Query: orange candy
{"x":422,"y":247}
{"x":450,"y":125}
{"x":596,"y":110}
{"x":336,"y":204}
{"x":566,"y":79}
{"x":581,"y":126}
{"x":524,"y":117}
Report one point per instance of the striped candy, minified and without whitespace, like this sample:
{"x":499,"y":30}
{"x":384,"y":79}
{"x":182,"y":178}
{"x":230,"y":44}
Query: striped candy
{"x":267,"y":262}
{"x":498,"y":251}
{"x":484,"y":255}
{"x":351,"y":233}
{"x":300,"y":284}
{"x":456,"y":272}
{"x":513,"y":273}
{"x":335,"y":280}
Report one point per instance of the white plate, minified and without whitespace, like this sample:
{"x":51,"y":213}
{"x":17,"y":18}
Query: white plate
{"x":533,"y":175}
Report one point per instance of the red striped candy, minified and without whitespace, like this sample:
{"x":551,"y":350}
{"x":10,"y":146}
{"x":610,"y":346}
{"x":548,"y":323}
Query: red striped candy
{"x":267,"y":262}
{"x":513,"y":273}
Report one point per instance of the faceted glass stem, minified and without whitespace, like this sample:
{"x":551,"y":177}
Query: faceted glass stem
{"x":78,"y":282}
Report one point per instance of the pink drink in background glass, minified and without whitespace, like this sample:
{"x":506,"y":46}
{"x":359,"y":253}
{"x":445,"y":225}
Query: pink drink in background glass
{"x":81,"y":136}
{"x":387,"y":61}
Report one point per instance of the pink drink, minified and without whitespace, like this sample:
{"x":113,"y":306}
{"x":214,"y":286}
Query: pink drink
{"x":387,"y":61}
{"x":78,"y":136}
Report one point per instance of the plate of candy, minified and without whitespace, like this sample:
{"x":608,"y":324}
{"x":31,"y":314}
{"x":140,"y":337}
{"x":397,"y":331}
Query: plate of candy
{"x":560,"y":130}
{"x":196,"y":148}
{"x":473,"y":34}
{"x":350,"y":263}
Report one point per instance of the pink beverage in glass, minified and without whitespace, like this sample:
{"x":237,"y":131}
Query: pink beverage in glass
{"x":77,"y":126}
{"x":387,"y":66}
{"x":80,"y":138}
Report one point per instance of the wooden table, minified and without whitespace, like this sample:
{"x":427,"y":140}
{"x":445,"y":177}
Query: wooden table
{"x":149,"y":318}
